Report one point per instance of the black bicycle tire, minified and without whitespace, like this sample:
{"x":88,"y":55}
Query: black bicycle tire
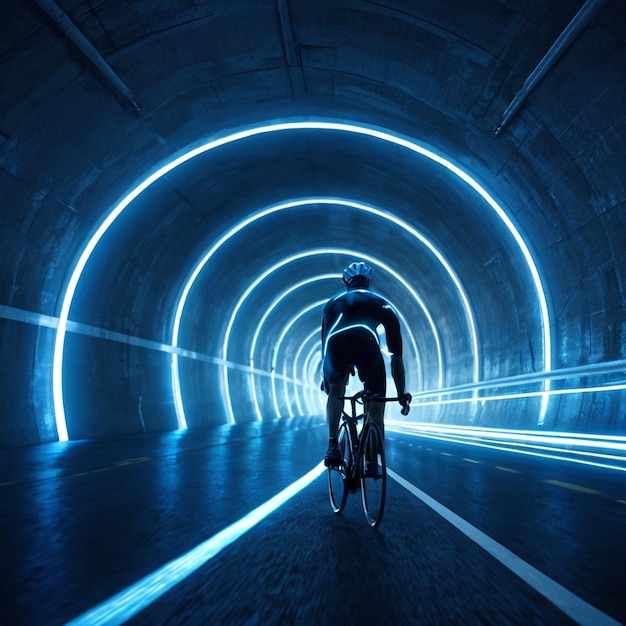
{"x":373,"y":517}
{"x":338,"y":501}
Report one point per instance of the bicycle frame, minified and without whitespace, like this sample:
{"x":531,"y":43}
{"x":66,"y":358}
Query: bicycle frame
{"x":361,"y":450}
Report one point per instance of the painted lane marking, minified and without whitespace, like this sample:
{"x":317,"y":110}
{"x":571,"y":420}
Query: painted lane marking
{"x":87,"y":473}
{"x":139,"y":459}
{"x":507,"y":469}
{"x":573,"y":487}
{"x":574,"y":607}
{"x":557,"y":483}
{"x":129,"y":602}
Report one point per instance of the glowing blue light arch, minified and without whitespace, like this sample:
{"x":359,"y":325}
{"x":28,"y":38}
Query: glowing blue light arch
{"x":286,"y":328}
{"x":272,"y":306}
{"x":302,"y":255}
{"x":318,"y":125}
{"x":277,"y":302}
{"x":312,"y":366}
{"x":313,"y":336}
{"x":240,"y":226}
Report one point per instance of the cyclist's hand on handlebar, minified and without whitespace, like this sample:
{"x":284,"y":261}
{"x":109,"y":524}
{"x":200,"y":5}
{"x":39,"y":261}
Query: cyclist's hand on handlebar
{"x":405,"y":401}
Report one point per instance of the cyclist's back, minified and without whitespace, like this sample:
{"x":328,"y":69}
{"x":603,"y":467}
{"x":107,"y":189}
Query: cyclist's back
{"x":349,"y":340}
{"x":360,"y":308}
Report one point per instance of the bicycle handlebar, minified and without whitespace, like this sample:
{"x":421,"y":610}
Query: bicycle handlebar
{"x":362,"y":395}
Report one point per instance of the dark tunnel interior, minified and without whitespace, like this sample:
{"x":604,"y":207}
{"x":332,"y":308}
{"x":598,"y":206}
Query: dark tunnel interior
{"x":183,"y":183}
{"x":503,"y":253}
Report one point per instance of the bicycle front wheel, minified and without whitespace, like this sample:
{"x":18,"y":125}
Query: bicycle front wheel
{"x":373,"y":470}
{"x":337,"y":477}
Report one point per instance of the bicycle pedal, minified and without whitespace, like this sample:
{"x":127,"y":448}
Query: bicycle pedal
{"x":373,"y":473}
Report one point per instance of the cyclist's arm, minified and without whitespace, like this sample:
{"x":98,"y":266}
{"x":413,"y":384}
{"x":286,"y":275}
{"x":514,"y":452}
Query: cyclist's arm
{"x":324,"y":386}
{"x":394,"y":343}
{"x":397,"y":373}
{"x":326,"y":317}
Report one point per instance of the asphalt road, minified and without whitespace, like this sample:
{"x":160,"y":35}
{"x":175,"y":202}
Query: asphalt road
{"x":155,"y":529}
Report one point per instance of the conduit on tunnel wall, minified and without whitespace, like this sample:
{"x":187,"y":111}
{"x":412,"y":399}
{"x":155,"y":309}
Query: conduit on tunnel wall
{"x":273,"y":127}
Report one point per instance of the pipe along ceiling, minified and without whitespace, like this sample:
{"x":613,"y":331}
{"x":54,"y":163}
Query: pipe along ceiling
{"x":184,"y":266}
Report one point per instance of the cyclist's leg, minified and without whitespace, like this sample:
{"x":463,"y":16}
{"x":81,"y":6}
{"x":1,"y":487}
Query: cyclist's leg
{"x":373,"y":374}
{"x":335,"y":371}
{"x":333,"y":407}
{"x":376,"y":413}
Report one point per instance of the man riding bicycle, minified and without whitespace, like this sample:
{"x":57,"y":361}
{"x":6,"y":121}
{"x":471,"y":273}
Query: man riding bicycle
{"x":349,"y":340}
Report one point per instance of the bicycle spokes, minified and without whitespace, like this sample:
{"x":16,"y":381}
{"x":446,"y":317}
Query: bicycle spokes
{"x":337,"y":484}
{"x":363,"y":464}
{"x":373,"y":474}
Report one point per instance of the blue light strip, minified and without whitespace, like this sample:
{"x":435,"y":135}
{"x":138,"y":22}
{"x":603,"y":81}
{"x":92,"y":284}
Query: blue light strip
{"x":128,"y":603}
{"x":516,"y":396}
{"x":608,"y":452}
{"x":561,"y":438}
{"x":68,"y":296}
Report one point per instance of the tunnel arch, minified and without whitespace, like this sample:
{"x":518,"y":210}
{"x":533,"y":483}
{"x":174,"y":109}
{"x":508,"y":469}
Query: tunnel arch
{"x":314,"y":372}
{"x":255,"y":337}
{"x":317,"y":125}
{"x":349,"y":254}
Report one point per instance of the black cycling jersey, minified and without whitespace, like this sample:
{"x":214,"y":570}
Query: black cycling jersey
{"x":350,"y":339}
{"x":360,"y":307}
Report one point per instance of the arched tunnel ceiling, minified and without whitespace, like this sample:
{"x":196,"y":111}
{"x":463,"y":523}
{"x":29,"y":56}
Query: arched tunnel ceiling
{"x":439,"y":74}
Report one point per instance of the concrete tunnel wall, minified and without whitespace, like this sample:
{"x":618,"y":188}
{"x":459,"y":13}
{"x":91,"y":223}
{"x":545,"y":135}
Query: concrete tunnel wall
{"x":71,"y":151}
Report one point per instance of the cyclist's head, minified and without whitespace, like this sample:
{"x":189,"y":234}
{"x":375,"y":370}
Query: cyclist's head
{"x":358,"y":274}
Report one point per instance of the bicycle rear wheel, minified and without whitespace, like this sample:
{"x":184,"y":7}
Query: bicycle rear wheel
{"x":373,"y":471}
{"x":337,"y":477}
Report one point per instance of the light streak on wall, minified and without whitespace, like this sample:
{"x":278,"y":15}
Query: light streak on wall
{"x":605,"y":451}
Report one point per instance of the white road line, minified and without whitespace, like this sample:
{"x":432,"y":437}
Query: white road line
{"x":573,"y":606}
{"x":126,"y":604}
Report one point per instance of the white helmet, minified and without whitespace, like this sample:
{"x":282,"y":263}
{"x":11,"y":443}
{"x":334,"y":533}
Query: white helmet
{"x":360,"y":269}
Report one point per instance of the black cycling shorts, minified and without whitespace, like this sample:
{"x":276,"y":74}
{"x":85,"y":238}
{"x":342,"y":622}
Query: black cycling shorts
{"x":359,"y":348}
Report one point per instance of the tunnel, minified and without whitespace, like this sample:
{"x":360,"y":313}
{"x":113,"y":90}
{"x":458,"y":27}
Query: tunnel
{"x":183,"y":184}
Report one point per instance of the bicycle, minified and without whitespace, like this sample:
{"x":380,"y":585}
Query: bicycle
{"x":363,"y":461}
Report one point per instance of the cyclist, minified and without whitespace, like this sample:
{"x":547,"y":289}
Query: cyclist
{"x":349,"y":340}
